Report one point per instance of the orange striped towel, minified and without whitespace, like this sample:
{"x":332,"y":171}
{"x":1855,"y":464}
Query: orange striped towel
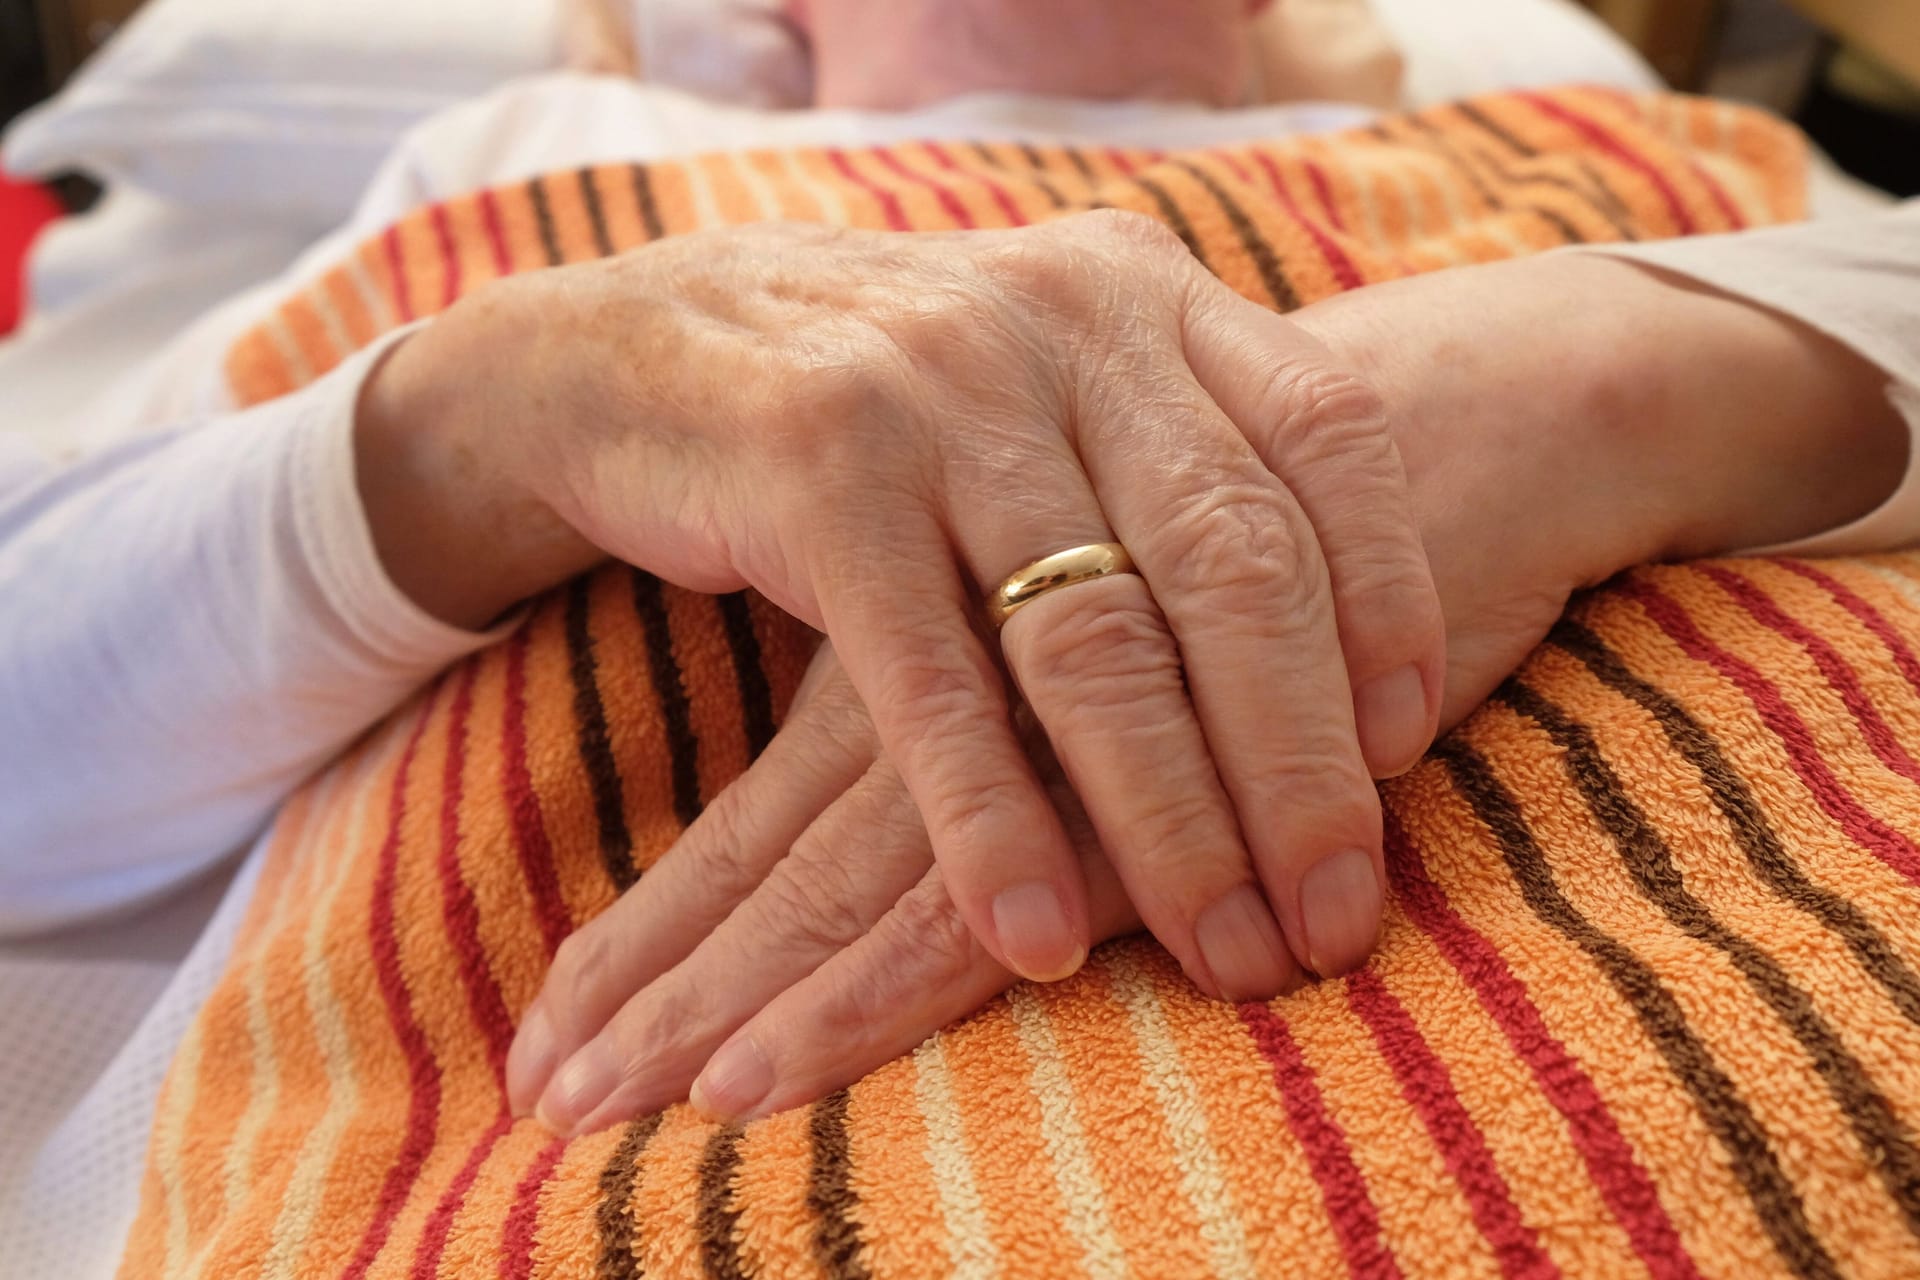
{"x":1647,"y":999}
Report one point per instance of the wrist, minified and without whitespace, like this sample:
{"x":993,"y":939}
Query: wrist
{"x":457,"y":524}
{"x":1767,"y":431}
{"x":1600,"y":414}
{"x":1517,"y":440}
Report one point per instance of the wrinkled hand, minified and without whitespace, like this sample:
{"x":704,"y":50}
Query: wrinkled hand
{"x":874,"y":430}
{"x":797,"y":927}
{"x":802,"y":911}
{"x":799,"y":934}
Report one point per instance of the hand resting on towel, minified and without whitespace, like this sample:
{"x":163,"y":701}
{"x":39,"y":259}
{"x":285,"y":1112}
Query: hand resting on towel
{"x":800,"y":934}
{"x":874,"y":430}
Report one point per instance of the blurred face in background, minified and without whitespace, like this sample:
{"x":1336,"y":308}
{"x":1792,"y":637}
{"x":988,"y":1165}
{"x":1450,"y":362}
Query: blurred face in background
{"x":895,"y":54}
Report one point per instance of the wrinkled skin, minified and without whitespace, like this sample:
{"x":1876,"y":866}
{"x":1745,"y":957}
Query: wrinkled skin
{"x":803,"y":931}
{"x":874,"y":430}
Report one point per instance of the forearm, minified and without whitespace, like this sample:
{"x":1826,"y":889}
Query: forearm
{"x":1683,"y":422}
{"x":1855,"y":280}
{"x":193,"y":623}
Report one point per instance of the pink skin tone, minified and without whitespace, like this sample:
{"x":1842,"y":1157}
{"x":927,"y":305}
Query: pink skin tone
{"x":836,"y":942}
{"x":848,"y":951}
{"x":892,"y":55}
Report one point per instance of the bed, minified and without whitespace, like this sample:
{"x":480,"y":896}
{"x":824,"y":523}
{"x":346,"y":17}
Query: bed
{"x":233,"y":139}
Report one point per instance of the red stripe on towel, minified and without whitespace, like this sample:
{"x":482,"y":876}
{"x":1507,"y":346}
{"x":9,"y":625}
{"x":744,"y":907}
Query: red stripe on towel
{"x":1428,"y":1085}
{"x":998,"y":192}
{"x":949,"y":202}
{"x":1834,"y":799}
{"x":528,"y":823}
{"x":1356,"y":1222}
{"x":1335,"y":257}
{"x":1870,"y":617}
{"x":1610,"y":1161}
{"x":423,"y":1102}
{"x":518,"y":1232}
{"x":1763,"y":609}
{"x":889,"y":202}
{"x":1592,"y":131}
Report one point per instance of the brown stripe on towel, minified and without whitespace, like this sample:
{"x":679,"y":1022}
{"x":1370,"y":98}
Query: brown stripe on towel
{"x":717,"y":1220}
{"x":593,"y":742}
{"x":670,"y":688}
{"x":1265,"y":261}
{"x":1781,"y":1211}
{"x":1755,"y":835}
{"x":1883,"y":1138}
{"x":830,"y":1193}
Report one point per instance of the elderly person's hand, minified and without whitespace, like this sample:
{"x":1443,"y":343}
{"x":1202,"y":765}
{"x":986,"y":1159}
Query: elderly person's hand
{"x":798,"y":935}
{"x":874,"y":430}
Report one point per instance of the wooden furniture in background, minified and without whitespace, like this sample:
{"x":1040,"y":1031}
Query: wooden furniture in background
{"x":1887,"y":31}
{"x":1676,"y":36}
{"x":72,"y":29}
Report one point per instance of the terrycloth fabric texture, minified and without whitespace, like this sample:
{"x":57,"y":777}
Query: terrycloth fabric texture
{"x":1646,"y":1002}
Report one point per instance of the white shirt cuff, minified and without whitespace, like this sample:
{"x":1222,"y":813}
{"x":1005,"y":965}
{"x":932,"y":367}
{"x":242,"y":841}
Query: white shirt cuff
{"x":336,"y":539}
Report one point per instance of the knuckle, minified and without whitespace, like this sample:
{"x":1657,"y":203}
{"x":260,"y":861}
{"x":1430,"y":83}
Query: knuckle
{"x":942,"y":328}
{"x":951,"y":704}
{"x":1183,"y":832}
{"x":1324,"y":792}
{"x":1321,"y":416}
{"x":1099,"y":653}
{"x":1038,"y":265}
{"x":1249,"y":539}
{"x":932,"y":683}
{"x":968,"y":803}
{"x":719,"y":841}
{"x":835,"y":703}
{"x":927,"y":920}
{"x":655,"y":1024}
{"x":1135,"y":231}
{"x":928,"y":949}
{"x":1387,"y":603}
{"x":729,"y":877}
{"x":1104,"y":268}
{"x":824,"y":397}
{"x":738,"y":844}
{"x":1332,"y":397}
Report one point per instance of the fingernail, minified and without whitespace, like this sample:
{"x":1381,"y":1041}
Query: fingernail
{"x":531,"y":1060}
{"x":736,"y":1079}
{"x":1242,"y":946}
{"x":1391,"y":715}
{"x":1035,"y":937}
{"x":577,"y":1089}
{"x":1340,"y":903}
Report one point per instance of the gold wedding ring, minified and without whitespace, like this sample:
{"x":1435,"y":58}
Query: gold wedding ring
{"x":1061,"y":569}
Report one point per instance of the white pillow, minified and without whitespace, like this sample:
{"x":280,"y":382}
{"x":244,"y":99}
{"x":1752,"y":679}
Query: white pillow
{"x":1459,"y":48}
{"x":275,"y":106}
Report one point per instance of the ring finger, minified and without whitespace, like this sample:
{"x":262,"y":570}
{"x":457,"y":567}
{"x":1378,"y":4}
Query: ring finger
{"x":1100,"y":668}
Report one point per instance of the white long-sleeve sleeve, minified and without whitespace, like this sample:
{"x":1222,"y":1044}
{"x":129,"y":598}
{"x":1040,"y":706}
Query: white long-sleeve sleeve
{"x":191,"y":621}
{"x":1854,"y":279}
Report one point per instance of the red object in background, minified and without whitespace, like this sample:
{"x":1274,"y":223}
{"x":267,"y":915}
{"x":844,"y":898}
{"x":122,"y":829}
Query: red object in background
{"x":25,"y":207}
